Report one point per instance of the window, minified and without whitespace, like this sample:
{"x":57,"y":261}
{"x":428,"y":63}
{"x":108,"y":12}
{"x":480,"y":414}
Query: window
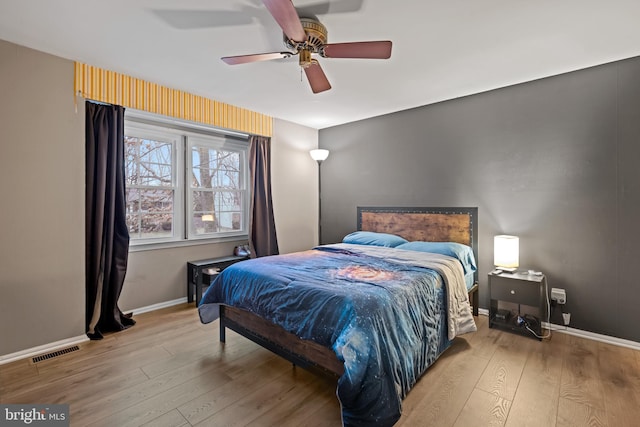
{"x":217,"y":190}
{"x":184,"y":183}
{"x":152,"y":185}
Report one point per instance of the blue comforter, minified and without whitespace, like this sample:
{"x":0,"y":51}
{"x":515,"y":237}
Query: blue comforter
{"x":384,"y":318}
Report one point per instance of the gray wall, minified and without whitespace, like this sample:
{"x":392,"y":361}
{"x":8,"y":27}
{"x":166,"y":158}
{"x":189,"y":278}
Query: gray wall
{"x":42,"y":275}
{"x":554,"y":161}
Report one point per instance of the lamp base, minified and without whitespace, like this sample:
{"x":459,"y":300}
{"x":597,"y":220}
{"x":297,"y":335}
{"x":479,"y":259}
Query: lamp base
{"x":507,"y":269}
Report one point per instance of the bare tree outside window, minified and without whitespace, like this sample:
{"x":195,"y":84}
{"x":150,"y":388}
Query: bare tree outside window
{"x":217,"y":194}
{"x":150,"y":187}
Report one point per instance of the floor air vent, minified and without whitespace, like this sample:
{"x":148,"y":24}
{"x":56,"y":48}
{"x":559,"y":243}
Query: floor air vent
{"x":55,"y":354}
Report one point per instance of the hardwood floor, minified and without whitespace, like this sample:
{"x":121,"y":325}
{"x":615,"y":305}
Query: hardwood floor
{"x":170,"y":370}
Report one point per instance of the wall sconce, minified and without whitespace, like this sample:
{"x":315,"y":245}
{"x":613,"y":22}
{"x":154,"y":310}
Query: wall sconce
{"x":506,"y":252}
{"x":319,"y":155}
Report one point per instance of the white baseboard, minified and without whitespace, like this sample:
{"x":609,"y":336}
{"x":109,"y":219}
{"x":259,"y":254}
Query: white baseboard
{"x":592,"y":336}
{"x":47,"y":348}
{"x":158,"y":306}
{"x":582,"y":334}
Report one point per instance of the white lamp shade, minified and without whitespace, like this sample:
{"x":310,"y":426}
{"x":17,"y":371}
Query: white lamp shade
{"x":506,"y":251}
{"x":319,"y":154}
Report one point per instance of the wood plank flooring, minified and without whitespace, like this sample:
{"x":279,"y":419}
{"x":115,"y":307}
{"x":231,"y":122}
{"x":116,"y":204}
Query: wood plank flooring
{"x":170,"y":370}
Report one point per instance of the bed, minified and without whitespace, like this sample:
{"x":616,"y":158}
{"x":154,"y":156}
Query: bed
{"x":373,"y":315}
{"x":454,"y":224}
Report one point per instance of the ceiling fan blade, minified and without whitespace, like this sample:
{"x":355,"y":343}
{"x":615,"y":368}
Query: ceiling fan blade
{"x":287,"y":17}
{"x":365,"y":50}
{"x":244,"y":59}
{"x":317,"y":79}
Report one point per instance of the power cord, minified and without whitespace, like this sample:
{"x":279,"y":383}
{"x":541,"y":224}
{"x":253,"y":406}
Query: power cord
{"x":526,"y":324}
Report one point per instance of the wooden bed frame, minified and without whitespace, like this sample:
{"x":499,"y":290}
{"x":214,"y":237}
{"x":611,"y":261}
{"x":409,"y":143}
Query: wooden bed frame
{"x":428,"y":224}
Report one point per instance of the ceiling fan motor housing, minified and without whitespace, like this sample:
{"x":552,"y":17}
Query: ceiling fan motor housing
{"x":316,"y":37}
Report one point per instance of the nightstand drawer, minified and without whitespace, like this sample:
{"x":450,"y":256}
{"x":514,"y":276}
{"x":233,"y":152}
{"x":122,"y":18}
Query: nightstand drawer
{"x":513,"y":290}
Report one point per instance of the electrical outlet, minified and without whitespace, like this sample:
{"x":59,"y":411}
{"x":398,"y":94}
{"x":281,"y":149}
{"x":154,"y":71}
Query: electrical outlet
{"x":559,"y":295}
{"x":567,"y":318}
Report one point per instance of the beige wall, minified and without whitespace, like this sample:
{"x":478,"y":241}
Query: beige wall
{"x":294,"y":186}
{"x":42,"y":215}
{"x":42,"y":190}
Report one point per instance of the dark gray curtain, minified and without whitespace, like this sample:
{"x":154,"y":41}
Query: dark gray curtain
{"x":262,"y":227}
{"x":107,"y":236}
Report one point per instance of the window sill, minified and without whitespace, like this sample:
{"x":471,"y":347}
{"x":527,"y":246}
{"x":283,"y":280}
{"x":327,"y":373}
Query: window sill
{"x":185,"y":243}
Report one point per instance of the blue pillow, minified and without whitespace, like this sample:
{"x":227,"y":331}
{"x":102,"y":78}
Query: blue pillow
{"x":374,"y":239}
{"x":462,"y":252}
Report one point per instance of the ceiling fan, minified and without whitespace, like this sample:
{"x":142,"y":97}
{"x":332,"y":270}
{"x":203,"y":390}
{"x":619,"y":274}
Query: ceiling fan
{"x":306,"y":36}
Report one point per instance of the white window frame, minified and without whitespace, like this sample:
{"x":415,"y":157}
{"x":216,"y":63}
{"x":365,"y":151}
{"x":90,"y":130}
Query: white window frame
{"x":219,"y":144}
{"x":162,"y":134}
{"x":184,"y":134}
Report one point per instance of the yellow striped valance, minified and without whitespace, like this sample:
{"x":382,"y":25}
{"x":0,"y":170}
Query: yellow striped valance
{"x":110,"y":87}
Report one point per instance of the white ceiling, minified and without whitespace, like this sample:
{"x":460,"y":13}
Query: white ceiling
{"x":441,"y":49}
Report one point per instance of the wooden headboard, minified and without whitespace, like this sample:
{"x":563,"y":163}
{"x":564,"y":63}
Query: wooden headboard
{"x":439,"y":224}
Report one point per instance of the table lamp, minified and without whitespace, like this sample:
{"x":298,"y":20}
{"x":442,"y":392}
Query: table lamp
{"x":506,"y":253}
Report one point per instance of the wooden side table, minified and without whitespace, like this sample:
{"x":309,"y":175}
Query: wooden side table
{"x":196,"y":276}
